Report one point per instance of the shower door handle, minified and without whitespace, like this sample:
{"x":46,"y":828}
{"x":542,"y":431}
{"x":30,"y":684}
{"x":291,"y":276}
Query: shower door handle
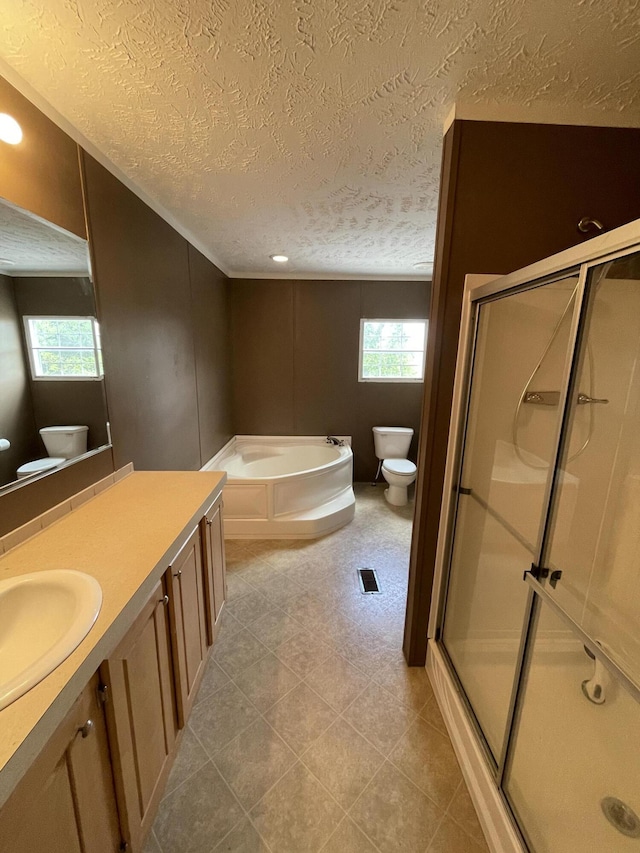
{"x":585,"y":400}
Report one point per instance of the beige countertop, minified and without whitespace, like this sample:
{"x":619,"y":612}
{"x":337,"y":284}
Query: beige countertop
{"x":125,"y":537}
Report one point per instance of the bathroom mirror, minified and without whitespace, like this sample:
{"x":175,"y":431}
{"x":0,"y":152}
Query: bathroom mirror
{"x":50,"y":356}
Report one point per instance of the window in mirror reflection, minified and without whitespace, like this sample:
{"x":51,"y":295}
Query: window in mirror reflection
{"x":64,"y":347}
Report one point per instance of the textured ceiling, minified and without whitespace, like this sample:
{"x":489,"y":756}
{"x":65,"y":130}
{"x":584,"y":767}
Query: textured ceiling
{"x":35,"y":247}
{"x":312,"y":127}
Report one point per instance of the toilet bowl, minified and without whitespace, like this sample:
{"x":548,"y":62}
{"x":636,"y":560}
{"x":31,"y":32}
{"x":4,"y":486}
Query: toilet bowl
{"x":391,"y":447}
{"x":400,"y":474}
{"x":61,"y":443}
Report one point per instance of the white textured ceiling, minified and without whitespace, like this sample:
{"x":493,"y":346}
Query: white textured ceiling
{"x":313,"y":127}
{"x":30,"y":246}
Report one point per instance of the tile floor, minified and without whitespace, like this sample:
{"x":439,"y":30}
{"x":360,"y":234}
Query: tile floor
{"x":310,"y":733}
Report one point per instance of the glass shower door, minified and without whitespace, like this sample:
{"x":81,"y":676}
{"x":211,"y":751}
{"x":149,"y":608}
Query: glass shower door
{"x":573,"y":774}
{"x":522,"y":353}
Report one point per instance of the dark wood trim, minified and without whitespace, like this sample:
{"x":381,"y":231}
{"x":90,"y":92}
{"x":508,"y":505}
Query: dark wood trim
{"x":430,"y":447}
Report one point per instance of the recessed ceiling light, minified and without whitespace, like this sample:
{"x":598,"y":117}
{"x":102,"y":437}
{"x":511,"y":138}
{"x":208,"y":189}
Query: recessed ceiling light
{"x":279,"y":259}
{"x":10,"y":130}
{"x":5,"y":262}
{"x":423,"y":265}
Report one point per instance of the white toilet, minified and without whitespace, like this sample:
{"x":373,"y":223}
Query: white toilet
{"x":392,"y":446}
{"x":61,"y":443}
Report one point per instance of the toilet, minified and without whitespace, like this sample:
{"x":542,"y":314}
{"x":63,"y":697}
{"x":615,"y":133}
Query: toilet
{"x":391,"y":447}
{"x":61,"y":443}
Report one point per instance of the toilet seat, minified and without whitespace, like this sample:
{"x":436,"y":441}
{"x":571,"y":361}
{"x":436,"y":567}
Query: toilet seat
{"x":38,"y":466}
{"x":404,"y":467}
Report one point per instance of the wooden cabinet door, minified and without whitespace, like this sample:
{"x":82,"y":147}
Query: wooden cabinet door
{"x":66,"y":802}
{"x":188,"y":622}
{"x":141,"y":716}
{"x":215,"y":571}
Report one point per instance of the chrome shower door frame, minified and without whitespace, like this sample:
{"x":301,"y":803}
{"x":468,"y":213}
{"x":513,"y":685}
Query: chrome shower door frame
{"x":478,"y":291}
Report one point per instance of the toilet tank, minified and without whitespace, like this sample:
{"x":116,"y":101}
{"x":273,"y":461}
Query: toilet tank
{"x":65,"y":441}
{"x":392,"y":442}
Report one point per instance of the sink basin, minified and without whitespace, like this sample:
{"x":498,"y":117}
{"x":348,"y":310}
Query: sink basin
{"x":44,"y":616}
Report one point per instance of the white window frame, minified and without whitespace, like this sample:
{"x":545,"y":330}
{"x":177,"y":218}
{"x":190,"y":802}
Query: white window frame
{"x":403,"y":379}
{"x":97,"y":349}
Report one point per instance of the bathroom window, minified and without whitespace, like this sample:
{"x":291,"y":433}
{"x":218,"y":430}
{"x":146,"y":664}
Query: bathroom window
{"x":64,"y":347}
{"x":392,"y":350}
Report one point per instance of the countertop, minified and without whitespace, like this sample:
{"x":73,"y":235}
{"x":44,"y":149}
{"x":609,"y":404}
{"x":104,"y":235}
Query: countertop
{"x":125,"y":537}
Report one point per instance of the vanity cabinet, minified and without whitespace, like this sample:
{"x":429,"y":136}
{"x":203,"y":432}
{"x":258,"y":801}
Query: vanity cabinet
{"x":215,"y":572}
{"x":188,"y":619}
{"x":66,"y":802}
{"x":141,"y":715}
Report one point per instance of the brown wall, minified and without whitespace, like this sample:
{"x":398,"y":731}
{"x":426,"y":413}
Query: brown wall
{"x":510,"y":195}
{"x":210,"y":316}
{"x":17,"y":422}
{"x":60,"y":402}
{"x":41,"y":174}
{"x":151,"y":287}
{"x":295,"y":360}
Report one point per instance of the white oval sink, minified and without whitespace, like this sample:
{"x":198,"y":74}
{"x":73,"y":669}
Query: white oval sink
{"x":44,"y":616}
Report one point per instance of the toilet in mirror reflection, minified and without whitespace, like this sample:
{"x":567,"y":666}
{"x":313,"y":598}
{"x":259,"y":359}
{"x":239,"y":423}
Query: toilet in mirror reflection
{"x":61,"y":443}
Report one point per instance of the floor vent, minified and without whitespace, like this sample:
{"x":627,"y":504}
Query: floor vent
{"x":368,"y":581}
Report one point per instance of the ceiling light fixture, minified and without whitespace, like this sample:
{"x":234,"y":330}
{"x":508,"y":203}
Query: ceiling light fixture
{"x":10,"y":130}
{"x":279,"y":259}
{"x":5,"y":262}
{"x":423,"y":265}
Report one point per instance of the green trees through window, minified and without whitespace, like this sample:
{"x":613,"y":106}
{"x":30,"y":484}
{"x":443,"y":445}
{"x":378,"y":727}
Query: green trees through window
{"x":392,"y":350}
{"x":64,"y":347}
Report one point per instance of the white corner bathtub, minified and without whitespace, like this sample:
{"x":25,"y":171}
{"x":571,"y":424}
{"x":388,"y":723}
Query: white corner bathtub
{"x":285,"y":487}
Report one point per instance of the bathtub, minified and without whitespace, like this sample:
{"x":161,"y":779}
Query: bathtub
{"x":285,"y":487}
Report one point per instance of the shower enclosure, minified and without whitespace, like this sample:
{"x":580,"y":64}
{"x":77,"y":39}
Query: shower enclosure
{"x":535,"y":632}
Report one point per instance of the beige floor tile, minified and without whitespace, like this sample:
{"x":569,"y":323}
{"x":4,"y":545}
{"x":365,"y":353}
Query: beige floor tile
{"x":237,"y":586}
{"x":427,"y":758}
{"x":254,"y":761}
{"x":450,"y":838}
{"x":250,"y":607}
{"x":197,"y":815}
{"x":303,"y":652}
{"x":250,"y":565}
{"x":395,"y":814}
{"x":367,"y":653}
{"x":307,"y":608}
{"x":462,"y":811}
{"x":151,"y":845}
{"x":190,"y":757}
{"x":432,"y":714}
{"x":297,"y":815}
{"x":235,"y":652}
{"x":337,"y":681}
{"x":275,"y":628}
{"x":213,"y":679}
{"x":343,"y":761}
{"x":293,"y":557}
{"x":266,"y":681}
{"x":229,"y":625}
{"x":410,"y":684}
{"x":222,"y":716}
{"x":300,"y":717}
{"x":348,"y":839}
{"x":380,"y":718}
{"x":243,"y":838}
{"x":278,"y":587}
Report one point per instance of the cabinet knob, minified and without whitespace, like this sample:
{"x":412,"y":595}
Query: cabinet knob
{"x":86,"y":730}
{"x":209,"y":522}
{"x":178,"y":574}
{"x":164,"y":600}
